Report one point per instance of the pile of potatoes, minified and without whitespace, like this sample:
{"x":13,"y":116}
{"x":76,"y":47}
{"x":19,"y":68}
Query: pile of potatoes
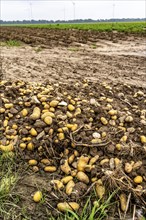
{"x":84,"y":133}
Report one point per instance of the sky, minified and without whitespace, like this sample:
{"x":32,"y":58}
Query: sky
{"x":69,"y":10}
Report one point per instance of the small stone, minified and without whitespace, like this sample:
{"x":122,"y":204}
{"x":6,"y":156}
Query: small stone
{"x":96,"y":135}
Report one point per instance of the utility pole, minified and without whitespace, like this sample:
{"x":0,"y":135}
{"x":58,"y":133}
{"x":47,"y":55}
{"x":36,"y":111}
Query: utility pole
{"x":74,"y":10}
{"x":31,"y":17}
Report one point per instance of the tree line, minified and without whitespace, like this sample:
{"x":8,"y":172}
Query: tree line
{"x":71,"y":21}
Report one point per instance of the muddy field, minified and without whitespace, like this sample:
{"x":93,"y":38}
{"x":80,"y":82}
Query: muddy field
{"x":97,"y":82}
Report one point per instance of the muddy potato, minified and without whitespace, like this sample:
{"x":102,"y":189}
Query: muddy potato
{"x":71,"y":159}
{"x":65,"y":167}
{"x":82,"y":177}
{"x":93,"y":160}
{"x":128,"y":167}
{"x":123,"y":201}
{"x":100,"y":190}
{"x":82,"y":162}
{"x":35,"y":114}
{"x":57,"y":184}
{"x":63,"y":207}
{"x":69,"y":187}
{"x":37,"y":196}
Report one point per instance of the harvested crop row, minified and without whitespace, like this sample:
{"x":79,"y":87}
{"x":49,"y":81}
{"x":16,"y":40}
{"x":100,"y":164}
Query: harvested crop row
{"x":85,"y":136}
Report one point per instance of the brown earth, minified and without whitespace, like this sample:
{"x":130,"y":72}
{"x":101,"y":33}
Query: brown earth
{"x":98,"y":69}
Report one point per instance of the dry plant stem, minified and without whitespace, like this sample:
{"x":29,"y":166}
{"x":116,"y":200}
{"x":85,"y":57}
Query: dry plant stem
{"x":88,"y":145}
{"x":134,"y":211}
{"x":127,"y":205}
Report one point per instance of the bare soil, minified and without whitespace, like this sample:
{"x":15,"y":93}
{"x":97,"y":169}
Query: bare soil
{"x":95,"y":68}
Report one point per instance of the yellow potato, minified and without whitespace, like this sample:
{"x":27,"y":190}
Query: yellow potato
{"x":7,"y":148}
{"x":93,"y":160}
{"x":24,"y":112}
{"x":32,"y":162}
{"x":57,"y":184}
{"x":112,"y":112}
{"x":69,"y":187}
{"x":2,"y":110}
{"x":33,"y":132}
{"x":37,"y":196}
{"x":61,"y":136}
{"x":123,"y":201}
{"x":71,"y":107}
{"x":30,"y":146}
{"x":138,"y":179}
{"x":143,"y":139}
{"x":36,"y":113}
{"x":66,"y":179}
{"x":51,"y":114}
{"x":50,"y":169}
{"x":71,"y":159}
{"x":48,"y":120}
{"x":54,"y":103}
{"x":8,"y":105}
{"x":63,"y":207}
{"x":82,"y":162}
{"x":104,"y":121}
{"x":100,"y":190}
{"x":22,"y":146}
{"x":65,"y":167}
{"x":82,"y":177}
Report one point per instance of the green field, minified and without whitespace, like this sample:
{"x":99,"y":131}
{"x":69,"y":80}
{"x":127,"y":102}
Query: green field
{"x":106,"y":26}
